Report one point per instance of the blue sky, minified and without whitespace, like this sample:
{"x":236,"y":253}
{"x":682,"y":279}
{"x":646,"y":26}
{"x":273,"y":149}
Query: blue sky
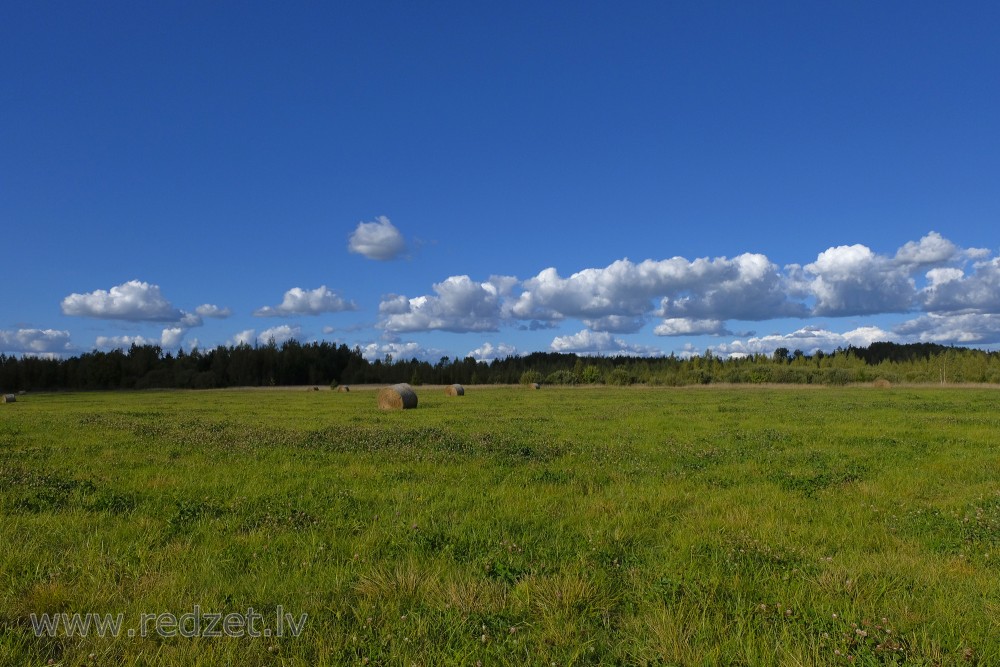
{"x":455,"y":178}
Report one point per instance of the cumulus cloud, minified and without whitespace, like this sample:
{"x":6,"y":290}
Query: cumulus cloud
{"x":245,"y":337}
{"x":950,"y":290}
{"x":698,"y":297}
{"x":617,"y":298}
{"x":122,"y":342}
{"x":298,"y":301}
{"x":488,"y":352}
{"x":953,"y":329}
{"x":210,"y":310}
{"x":134,"y":301}
{"x":682,"y":326}
{"x":35,"y":342}
{"x":401,"y":351}
{"x":809,"y":339}
{"x":377,"y":240}
{"x":459,"y":305}
{"x":279,"y":334}
{"x":853,"y":280}
{"x":931,"y":249}
{"x":600,"y":343}
{"x":170,"y":338}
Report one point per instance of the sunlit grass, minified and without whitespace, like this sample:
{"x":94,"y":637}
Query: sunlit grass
{"x":577,"y":526}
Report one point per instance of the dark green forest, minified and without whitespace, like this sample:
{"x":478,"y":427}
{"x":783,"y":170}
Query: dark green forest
{"x":294,"y":363}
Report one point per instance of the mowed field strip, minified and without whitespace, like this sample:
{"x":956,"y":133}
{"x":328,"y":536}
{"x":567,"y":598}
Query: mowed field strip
{"x":567,"y":526}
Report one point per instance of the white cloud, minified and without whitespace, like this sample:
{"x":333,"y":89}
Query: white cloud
{"x":460,"y":305}
{"x":171,"y":337}
{"x":210,"y":310}
{"x":245,"y":337}
{"x":377,"y":240}
{"x":401,"y":351}
{"x":134,"y":301}
{"x":35,"y":342}
{"x":189,"y":320}
{"x":616,"y":323}
{"x":122,"y":342}
{"x":809,"y":339}
{"x":279,"y":334}
{"x":950,"y":290}
{"x":298,"y":301}
{"x":619,"y":296}
{"x":953,"y":329}
{"x":489,"y":352}
{"x":852,"y":280}
{"x":600,"y":343}
{"x":931,"y":249}
{"x":680,"y":326}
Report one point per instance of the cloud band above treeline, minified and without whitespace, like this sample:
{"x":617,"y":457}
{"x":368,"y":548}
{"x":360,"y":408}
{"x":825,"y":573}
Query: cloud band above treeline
{"x":682,"y":297}
{"x":947,"y":294}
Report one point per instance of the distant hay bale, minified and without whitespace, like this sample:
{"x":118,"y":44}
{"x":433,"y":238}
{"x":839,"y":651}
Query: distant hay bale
{"x":454,"y":390}
{"x":343,"y":388}
{"x":535,"y":385}
{"x":315,"y":388}
{"x":9,"y":398}
{"x":397,"y":397}
{"x":881,"y":383}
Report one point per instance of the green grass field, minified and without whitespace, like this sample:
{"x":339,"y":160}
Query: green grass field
{"x":588,"y":526}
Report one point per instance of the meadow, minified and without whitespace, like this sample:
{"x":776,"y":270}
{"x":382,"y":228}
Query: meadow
{"x":569,"y":526}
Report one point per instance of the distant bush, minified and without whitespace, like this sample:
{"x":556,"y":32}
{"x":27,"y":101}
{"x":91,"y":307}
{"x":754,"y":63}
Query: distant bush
{"x":562,"y":377}
{"x":621,"y":377}
{"x":531,"y":377}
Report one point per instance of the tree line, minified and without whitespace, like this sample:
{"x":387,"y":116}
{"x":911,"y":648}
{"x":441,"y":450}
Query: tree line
{"x":323,"y":363}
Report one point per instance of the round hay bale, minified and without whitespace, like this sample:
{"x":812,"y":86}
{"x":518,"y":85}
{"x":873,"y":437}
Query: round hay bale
{"x":397,"y":397}
{"x":881,"y":383}
{"x":535,"y":385}
{"x":343,"y":388}
{"x":454,"y":390}
{"x":9,"y":398}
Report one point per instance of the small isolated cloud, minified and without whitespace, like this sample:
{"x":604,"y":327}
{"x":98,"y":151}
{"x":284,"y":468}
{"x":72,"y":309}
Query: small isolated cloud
{"x":377,"y":240}
{"x":134,"y":301}
{"x":459,"y":305}
{"x":489,"y":352}
{"x":682,"y":326}
{"x":210,"y":310}
{"x":35,"y":342}
{"x":931,"y":249}
{"x":279,"y":334}
{"x":600,"y":343}
{"x":298,"y":301}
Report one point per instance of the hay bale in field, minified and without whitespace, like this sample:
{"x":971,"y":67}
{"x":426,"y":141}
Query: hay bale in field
{"x":315,"y":388}
{"x":535,"y":385}
{"x":397,"y":397}
{"x":454,"y":390}
{"x":9,"y":398}
{"x":881,"y":383}
{"x":343,"y":388}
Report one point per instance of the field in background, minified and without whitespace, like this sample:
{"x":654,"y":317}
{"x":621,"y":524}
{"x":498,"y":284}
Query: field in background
{"x":580,"y":526}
